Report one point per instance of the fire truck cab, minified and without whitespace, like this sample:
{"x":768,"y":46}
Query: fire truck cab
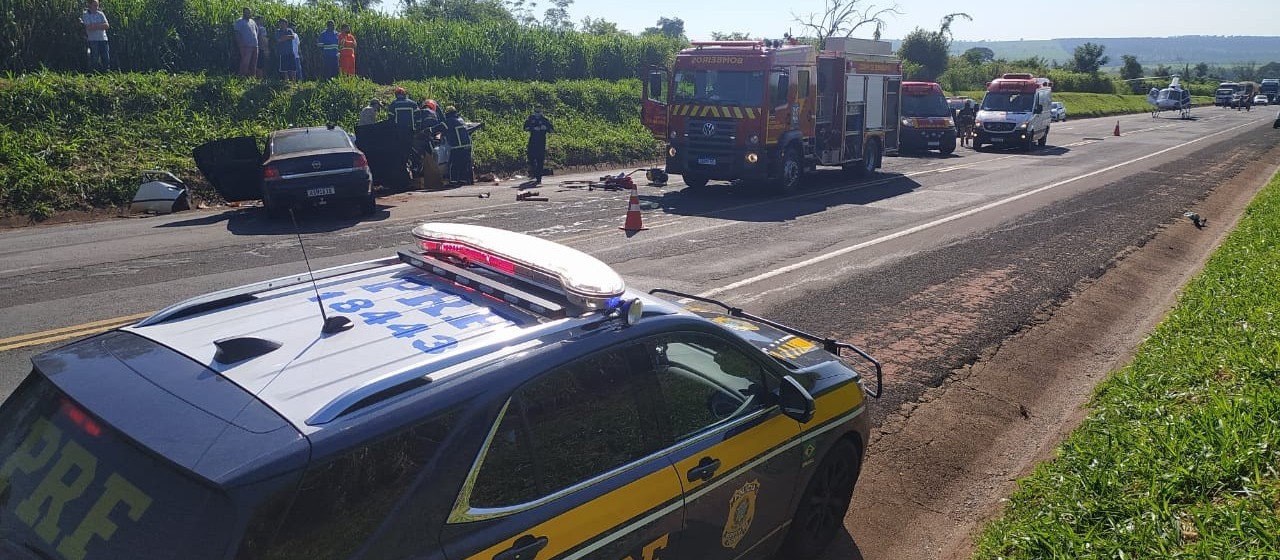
{"x":765,"y":111}
{"x":1015,"y":112}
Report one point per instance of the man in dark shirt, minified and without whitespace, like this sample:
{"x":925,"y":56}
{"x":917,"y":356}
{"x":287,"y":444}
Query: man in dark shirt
{"x":538,"y":126}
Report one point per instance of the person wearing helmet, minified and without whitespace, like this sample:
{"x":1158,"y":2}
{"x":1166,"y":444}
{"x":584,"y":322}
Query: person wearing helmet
{"x":964,"y":122}
{"x":459,"y":139}
{"x":403,"y":110}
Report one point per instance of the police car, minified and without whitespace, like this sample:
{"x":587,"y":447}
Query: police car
{"x":486,"y":394}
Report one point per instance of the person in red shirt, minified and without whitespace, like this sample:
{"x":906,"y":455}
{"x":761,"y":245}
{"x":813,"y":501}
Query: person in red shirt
{"x":347,"y":51}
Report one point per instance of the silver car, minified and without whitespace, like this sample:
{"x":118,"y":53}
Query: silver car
{"x":1057,"y":112}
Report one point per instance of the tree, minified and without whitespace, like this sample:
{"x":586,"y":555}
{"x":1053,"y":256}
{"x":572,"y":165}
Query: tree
{"x":1131,"y":69}
{"x":730,"y":36}
{"x":1162,"y":71}
{"x":1089,"y":58}
{"x":357,"y":6}
{"x":929,"y":49}
{"x":1268,"y":70}
{"x":840,"y":18}
{"x":461,"y":10}
{"x":1202,"y":70}
{"x":667,"y":27}
{"x":599,"y":26}
{"x":978,"y":55}
{"x":522,"y":11}
{"x":557,"y":16}
{"x":1034,"y":63}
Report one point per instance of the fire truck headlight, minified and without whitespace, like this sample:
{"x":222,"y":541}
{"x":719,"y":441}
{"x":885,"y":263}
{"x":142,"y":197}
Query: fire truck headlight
{"x":906,"y":123}
{"x":754,"y":139}
{"x":671,"y":152}
{"x":950,"y":123}
{"x":752,"y":157}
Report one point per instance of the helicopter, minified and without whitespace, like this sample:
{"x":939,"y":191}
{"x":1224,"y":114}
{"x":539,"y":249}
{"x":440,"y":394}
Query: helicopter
{"x":1171,"y":98}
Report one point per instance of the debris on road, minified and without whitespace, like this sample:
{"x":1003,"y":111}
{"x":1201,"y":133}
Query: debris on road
{"x":481,"y":195}
{"x":531,"y":196}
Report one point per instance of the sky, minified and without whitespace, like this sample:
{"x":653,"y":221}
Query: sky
{"x":993,"y":20}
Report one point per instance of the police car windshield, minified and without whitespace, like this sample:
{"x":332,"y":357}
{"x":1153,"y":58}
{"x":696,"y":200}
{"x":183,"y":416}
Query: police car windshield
{"x":51,"y":448}
{"x":1011,"y":102}
{"x":288,"y":142}
{"x":925,"y":106}
{"x":720,"y":87}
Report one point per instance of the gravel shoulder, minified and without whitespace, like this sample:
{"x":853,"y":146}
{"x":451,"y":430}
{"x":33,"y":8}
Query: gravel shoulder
{"x":941,"y":463}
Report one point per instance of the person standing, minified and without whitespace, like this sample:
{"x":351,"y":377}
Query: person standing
{"x":247,"y":39}
{"x":369,"y":114}
{"x":297,"y":53}
{"x":329,"y":50}
{"x":538,"y":126}
{"x":459,"y":139}
{"x":264,"y":46}
{"x":403,"y":111}
{"x":284,"y":50}
{"x":95,"y":30}
{"x":964,"y":122}
{"x":347,"y":51}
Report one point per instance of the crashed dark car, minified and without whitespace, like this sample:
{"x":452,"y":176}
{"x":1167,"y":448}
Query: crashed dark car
{"x":313,"y":166}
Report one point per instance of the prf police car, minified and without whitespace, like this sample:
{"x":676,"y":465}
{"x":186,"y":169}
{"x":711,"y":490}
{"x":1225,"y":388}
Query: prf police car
{"x":486,"y":395}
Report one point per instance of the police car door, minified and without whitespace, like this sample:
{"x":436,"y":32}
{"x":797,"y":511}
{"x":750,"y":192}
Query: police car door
{"x":737,"y":456}
{"x":572,"y":468}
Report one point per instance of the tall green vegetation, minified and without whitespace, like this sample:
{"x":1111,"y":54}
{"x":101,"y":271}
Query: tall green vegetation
{"x":196,"y":36}
{"x":924,"y":53}
{"x":76,"y":141}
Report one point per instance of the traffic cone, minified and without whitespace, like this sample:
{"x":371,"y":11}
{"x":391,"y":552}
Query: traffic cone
{"x":1116,"y":132}
{"x":633,"y":222}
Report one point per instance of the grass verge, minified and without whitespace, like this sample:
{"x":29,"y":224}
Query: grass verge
{"x":1180,"y":455}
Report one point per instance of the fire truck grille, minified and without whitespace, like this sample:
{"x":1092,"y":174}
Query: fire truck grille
{"x":999,"y":126}
{"x":711,"y":136}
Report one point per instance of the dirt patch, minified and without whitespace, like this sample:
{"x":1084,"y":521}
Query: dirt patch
{"x":943,"y":463}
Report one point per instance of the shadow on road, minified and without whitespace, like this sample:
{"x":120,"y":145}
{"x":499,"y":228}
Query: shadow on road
{"x":254,"y":221}
{"x":842,"y":547}
{"x":1046,"y":151}
{"x":821,"y":191}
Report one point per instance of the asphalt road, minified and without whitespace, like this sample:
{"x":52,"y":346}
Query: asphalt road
{"x":924,"y":264}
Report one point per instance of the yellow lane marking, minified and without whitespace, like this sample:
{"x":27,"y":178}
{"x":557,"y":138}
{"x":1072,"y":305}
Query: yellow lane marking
{"x":65,"y":333}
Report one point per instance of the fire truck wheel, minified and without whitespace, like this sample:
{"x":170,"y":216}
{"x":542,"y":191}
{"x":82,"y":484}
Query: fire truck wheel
{"x":870,"y":159}
{"x":789,"y":172}
{"x":694,"y":181}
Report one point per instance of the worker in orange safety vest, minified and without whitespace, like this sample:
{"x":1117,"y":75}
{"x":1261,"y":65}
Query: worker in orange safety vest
{"x":347,"y":51}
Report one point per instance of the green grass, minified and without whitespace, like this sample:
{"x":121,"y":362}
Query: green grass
{"x":70,"y":141}
{"x":1180,"y":456}
{"x":1085,"y":105}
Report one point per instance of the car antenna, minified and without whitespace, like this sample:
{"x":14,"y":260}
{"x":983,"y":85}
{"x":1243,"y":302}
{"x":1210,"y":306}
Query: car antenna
{"x":337,"y":323}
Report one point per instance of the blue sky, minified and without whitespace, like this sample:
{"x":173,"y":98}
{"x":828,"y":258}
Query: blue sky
{"x":992,"y":19}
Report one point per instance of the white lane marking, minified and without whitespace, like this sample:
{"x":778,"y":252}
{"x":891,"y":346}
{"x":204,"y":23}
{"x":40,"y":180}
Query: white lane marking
{"x":940,"y":221}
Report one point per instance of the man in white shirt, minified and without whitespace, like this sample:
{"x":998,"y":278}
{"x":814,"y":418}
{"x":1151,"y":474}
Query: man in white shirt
{"x":95,"y":29}
{"x":369,"y":114}
{"x":246,"y":32}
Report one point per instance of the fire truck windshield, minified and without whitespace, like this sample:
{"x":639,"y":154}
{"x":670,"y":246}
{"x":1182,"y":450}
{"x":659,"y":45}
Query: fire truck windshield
{"x":932,"y":105}
{"x":1011,"y":102}
{"x":720,"y":87}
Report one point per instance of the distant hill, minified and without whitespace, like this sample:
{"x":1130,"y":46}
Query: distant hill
{"x":1188,"y":49}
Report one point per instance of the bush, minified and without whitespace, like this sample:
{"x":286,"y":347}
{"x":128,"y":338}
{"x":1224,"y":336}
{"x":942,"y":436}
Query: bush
{"x":75,"y":141}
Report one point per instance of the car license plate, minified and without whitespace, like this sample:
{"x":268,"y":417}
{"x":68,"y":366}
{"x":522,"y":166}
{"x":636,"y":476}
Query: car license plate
{"x":997,"y":140}
{"x":706,"y":161}
{"x":935,"y":143}
{"x":322,"y":191}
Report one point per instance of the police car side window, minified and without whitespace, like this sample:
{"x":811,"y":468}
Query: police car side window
{"x":704,"y":381}
{"x":568,"y":425}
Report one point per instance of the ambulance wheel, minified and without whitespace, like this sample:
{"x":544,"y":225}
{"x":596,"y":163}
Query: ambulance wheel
{"x":1043,"y":139}
{"x":948,"y":149}
{"x":789,"y":172}
{"x":695,"y":181}
{"x":820,"y":515}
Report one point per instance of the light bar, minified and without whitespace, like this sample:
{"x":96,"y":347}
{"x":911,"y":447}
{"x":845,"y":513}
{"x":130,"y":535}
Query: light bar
{"x":583,"y":279}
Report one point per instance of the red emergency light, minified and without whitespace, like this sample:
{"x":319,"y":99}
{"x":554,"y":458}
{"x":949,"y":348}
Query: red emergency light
{"x":921,"y":88}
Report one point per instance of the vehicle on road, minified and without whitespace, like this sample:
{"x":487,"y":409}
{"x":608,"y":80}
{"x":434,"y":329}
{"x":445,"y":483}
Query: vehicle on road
{"x":1171,"y":98}
{"x":312,"y":166}
{"x":769,"y":111}
{"x":957,"y":103}
{"x":1270,"y":87}
{"x":1260,"y":99}
{"x":485,"y":394}
{"x":926,"y":122}
{"x":1014,"y":112}
{"x":1057,"y":112}
{"x":1226,"y":91}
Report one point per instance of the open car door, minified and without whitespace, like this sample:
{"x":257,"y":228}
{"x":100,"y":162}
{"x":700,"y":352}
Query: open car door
{"x":386,"y":146}
{"x":233,"y":166}
{"x":653,"y":110}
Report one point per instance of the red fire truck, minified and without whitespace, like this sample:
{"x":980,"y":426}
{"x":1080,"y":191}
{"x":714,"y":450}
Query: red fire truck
{"x":764,"y":111}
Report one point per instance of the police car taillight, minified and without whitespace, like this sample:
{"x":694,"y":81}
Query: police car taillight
{"x":582,"y":278}
{"x":360,"y":162}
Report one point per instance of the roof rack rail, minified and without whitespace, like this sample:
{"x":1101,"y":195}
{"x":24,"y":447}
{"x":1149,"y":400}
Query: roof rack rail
{"x":829,"y":344}
{"x":241,"y":294}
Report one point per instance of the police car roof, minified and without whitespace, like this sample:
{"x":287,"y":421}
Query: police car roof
{"x":408,"y":324}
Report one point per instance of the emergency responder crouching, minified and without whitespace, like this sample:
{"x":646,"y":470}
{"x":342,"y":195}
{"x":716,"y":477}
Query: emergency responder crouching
{"x":424,"y":141}
{"x":459,"y":139}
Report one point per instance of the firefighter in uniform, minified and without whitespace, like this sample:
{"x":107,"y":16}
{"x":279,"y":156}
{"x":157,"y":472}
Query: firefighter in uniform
{"x":538,"y":126}
{"x":964,"y":122}
{"x":459,"y":139}
{"x":403,"y":111}
{"x":428,"y":126}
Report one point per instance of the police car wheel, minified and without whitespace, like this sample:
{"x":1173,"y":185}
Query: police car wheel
{"x":820,"y":515}
{"x":695,"y":181}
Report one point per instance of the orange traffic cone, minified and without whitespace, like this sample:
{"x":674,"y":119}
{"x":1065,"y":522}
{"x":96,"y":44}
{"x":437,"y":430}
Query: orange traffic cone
{"x":1116,"y":132}
{"x":633,"y":222}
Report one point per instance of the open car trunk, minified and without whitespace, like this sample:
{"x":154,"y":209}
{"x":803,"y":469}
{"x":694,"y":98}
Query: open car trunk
{"x":386,"y":146}
{"x":233,"y":166}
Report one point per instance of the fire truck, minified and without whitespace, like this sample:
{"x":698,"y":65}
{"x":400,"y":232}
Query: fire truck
{"x":769,"y":111}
